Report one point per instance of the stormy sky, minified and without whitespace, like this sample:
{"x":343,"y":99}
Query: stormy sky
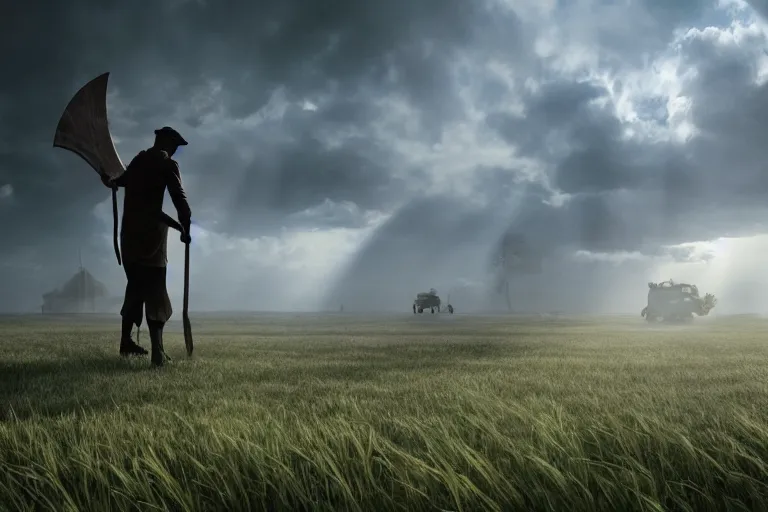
{"x":359,"y":152}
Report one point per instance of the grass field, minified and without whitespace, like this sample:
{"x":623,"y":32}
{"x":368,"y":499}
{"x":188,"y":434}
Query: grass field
{"x":338,"y":412}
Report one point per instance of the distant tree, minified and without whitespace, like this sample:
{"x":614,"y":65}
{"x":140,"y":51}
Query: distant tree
{"x":513,"y":255}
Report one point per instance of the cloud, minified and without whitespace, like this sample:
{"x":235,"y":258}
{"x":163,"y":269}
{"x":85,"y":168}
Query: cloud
{"x":6,"y":191}
{"x":359,"y":152}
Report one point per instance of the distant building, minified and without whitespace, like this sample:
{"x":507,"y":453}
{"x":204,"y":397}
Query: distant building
{"x":83,"y":293}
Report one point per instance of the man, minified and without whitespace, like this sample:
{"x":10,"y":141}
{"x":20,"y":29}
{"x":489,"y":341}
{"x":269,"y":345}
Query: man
{"x":144,"y":238}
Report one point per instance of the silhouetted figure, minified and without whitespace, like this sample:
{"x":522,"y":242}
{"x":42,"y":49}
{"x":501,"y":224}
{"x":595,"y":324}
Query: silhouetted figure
{"x":144,"y":238}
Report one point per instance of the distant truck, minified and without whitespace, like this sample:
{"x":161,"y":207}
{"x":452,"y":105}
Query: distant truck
{"x":429,"y":300}
{"x":669,"y":301}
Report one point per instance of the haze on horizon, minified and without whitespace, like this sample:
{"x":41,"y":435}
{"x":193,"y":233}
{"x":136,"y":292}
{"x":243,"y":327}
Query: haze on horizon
{"x":359,"y":152}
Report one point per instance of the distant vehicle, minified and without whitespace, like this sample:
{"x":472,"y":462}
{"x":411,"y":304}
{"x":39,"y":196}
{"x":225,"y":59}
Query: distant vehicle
{"x":429,"y":300}
{"x":670,"y":301}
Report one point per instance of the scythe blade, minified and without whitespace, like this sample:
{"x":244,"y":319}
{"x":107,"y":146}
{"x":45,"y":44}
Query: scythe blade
{"x":84,"y":130}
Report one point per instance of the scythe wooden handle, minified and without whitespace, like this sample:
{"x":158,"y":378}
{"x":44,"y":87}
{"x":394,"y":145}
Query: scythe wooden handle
{"x":114,"y":226}
{"x":188,"y":342}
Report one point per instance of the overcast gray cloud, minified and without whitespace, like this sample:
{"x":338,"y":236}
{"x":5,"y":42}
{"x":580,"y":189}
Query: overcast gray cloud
{"x":358,"y":152}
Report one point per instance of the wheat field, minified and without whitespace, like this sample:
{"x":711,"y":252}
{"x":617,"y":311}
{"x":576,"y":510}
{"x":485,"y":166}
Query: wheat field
{"x":368,"y":413}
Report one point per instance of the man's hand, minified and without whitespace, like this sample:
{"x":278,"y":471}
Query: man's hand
{"x":185,"y":238}
{"x":107,"y":181}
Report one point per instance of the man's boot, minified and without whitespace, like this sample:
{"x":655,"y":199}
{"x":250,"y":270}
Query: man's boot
{"x":127,"y":346}
{"x":159,"y":357}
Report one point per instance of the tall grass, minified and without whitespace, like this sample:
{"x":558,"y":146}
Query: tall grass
{"x":345,"y":413}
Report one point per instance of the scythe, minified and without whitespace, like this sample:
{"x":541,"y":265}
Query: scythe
{"x":84,"y":130}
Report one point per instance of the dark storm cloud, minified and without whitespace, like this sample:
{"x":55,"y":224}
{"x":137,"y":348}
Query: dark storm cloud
{"x":158,"y":56}
{"x":629,"y":193}
{"x":624,"y":35}
{"x":297,"y":173}
{"x":565,"y":125}
{"x":761,"y":6}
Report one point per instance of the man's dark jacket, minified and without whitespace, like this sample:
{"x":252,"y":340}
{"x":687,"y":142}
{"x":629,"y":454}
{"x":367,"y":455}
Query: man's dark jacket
{"x":144,"y":234}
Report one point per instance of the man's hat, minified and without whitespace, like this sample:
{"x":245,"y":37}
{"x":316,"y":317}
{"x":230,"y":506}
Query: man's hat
{"x":167,"y":131}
